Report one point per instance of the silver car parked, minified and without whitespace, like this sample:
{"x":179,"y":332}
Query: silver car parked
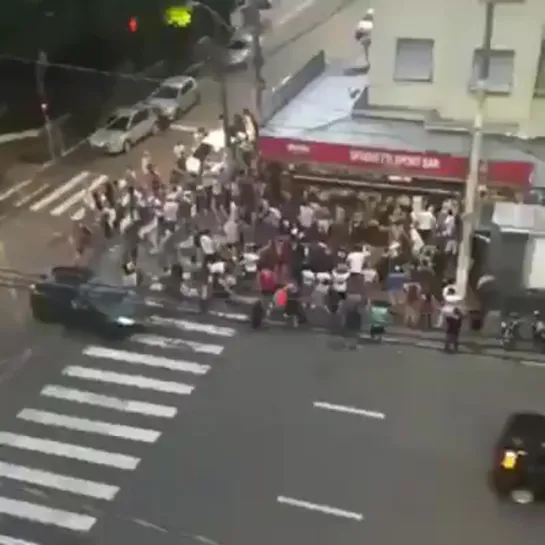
{"x":124,"y":129}
{"x":175,"y":96}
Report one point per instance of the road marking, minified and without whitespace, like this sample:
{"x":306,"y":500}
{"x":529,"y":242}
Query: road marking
{"x":46,"y":515}
{"x":293,"y":13}
{"x":69,"y":450}
{"x":135,"y":381}
{"x":166,"y":342}
{"x":107,"y":402}
{"x":145,"y":359}
{"x":321,"y":508}
{"x":60,"y":191}
{"x":14,"y":189}
{"x":27,"y":198}
{"x":533,"y":363}
{"x":349,"y":410}
{"x":194,"y":327}
{"x":76,"y":197}
{"x":47,"y":418}
{"x":56,"y":481}
{"x":235,"y":317}
{"x":22,"y":135}
{"x":8,"y":540}
{"x":183,"y":128}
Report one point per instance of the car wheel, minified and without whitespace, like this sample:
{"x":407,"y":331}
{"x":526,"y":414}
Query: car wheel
{"x":127,"y":146}
{"x":522,"y":496}
{"x":40,"y":315}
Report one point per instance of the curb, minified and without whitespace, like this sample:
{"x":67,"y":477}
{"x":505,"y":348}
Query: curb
{"x":364,"y":338}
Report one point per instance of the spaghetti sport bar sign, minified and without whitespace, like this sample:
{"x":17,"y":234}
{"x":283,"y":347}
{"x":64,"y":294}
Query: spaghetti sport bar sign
{"x":415,"y":164}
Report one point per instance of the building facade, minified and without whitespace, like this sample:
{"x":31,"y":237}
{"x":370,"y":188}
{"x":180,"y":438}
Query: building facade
{"x":425,"y":58}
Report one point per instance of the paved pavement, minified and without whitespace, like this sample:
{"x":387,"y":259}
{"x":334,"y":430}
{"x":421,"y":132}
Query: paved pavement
{"x":79,"y":418}
{"x":292,"y":442}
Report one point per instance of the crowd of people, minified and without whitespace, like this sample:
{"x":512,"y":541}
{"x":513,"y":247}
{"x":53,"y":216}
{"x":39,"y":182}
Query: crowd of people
{"x":269,"y":223}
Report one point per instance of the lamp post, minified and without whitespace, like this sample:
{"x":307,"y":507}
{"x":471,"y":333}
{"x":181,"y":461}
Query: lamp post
{"x":213,"y":50}
{"x":472,"y":184}
{"x":41,"y":67}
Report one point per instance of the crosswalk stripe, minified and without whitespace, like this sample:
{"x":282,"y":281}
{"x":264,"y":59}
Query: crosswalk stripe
{"x":60,"y":191}
{"x":145,"y":359}
{"x":14,"y":189}
{"x":46,"y":515}
{"x":76,"y":197}
{"x":78,"y":215}
{"x":57,"y":481}
{"x":114,"y":403}
{"x":9,"y":540}
{"x":69,"y":450}
{"x":135,"y":381}
{"x":194,"y":327}
{"x":47,"y":418}
{"x":25,"y":199}
{"x":166,"y":342}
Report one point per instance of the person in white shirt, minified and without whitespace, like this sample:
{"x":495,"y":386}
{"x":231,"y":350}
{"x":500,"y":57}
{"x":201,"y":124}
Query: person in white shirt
{"x":355,"y":261}
{"x":145,"y":163}
{"x":170,"y":214}
{"x":208,"y":247}
{"x":426,"y":223}
{"x":340,"y":275}
{"x":449,"y":232}
{"x":306,"y":216}
{"x":179,"y":151}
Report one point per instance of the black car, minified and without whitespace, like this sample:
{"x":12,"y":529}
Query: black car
{"x":73,"y":297}
{"x":519,"y":459}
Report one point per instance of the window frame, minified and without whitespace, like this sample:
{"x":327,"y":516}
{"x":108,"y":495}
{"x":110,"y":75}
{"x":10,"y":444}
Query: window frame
{"x":405,"y":78}
{"x":495,"y":88}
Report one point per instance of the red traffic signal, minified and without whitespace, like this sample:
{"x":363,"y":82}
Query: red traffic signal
{"x":133,"y":24}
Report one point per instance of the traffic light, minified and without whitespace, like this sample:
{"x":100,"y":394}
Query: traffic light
{"x":133,"y":24}
{"x":179,"y":16}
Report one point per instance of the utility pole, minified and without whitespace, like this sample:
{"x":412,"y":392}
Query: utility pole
{"x":252,"y":18}
{"x":214,"y":53}
{"x":472,"y":184}
{"x":41,"y":68}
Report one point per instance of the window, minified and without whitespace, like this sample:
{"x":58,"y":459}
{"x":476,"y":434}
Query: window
{"x":539,"y":87}
{"x":500,"y":74}
{"x":186,"y":87}
{"x":414,"y":60}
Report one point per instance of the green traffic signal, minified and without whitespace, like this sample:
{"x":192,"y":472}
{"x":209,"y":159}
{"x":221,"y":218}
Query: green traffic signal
{"x":178,"y":16}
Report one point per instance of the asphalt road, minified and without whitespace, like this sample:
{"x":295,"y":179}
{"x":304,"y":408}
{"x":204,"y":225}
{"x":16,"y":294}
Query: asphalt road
{"x":409,"y":467}
{"x":78,"y":417}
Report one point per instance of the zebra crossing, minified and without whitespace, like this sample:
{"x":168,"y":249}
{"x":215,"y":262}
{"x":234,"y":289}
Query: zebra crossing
{"x":95,"y":422}
{"x":68,"y":199}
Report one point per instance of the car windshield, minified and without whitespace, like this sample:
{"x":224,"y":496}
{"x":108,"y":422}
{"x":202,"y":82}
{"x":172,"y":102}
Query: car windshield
{"x":118,"y":123}
{"x":165,"y":91}
{"x":110,"y":300}
{"x":238,"y":45}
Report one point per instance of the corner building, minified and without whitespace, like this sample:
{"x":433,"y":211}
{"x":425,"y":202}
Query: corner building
{"x":425,"y":58}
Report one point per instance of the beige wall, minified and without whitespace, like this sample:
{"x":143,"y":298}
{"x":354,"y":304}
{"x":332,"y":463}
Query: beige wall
{"x":457,"y":28}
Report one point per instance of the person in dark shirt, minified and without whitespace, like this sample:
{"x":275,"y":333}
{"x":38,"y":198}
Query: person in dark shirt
{"x":453,"y":325}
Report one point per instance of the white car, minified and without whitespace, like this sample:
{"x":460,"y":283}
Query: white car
{"x":239,"y":50}
{"x":365,"y":27}
{"x":124,"y":129}
{"x":175,"y":96}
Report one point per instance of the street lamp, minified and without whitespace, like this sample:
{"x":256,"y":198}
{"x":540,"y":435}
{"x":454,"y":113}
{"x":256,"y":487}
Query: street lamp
{"x":217,"y":53}
{"x":472,"y":184}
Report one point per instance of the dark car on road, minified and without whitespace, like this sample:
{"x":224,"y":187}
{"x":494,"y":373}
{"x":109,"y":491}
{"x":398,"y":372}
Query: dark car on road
{"x":519,"y":464}
{"x":73,"y":297}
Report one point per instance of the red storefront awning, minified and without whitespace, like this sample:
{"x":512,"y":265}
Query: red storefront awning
{"x":393,"y":162}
